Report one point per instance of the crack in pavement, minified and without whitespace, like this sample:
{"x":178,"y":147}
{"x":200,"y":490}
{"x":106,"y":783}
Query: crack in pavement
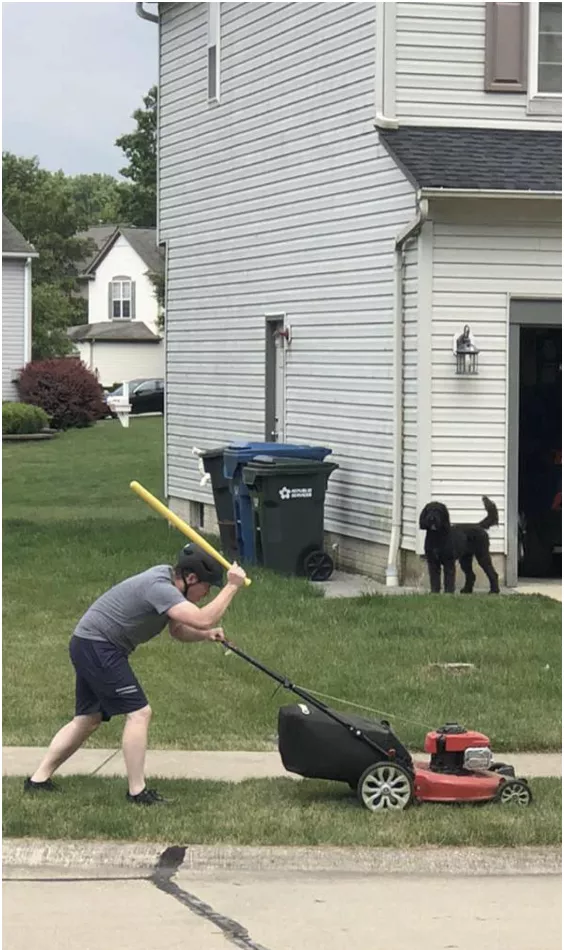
{"x":165,"y":869}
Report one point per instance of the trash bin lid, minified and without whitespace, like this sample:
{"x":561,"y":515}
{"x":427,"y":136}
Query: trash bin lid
{"x":266,"y":465}
{"x":238,"y":453}
{"x":213,"y":453}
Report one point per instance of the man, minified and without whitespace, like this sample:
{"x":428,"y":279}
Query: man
{"x":132,"y":612}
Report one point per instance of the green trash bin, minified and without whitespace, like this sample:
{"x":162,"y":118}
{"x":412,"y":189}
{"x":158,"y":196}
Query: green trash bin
{"x":288,"y":503}
{"x":223,"y":501}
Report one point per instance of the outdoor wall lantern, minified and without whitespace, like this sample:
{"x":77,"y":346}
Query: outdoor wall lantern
{"x":466,"y":352}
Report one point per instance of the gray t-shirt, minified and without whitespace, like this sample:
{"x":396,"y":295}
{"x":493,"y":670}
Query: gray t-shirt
{"x":133,"y":611}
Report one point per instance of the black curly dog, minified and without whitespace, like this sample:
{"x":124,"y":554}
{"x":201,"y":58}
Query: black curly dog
{"x":445,"y":544}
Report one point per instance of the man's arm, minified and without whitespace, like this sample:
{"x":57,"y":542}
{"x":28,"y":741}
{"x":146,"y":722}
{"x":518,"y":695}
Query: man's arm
{"x":204,"y":618}
{"x":186,"y":634}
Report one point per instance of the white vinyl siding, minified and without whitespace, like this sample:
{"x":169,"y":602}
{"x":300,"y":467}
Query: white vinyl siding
{"x":281,"y":200}
{"x":410,"y":397}
{"x":440,"y":70}
{"x":13,"y":324}
{"x":477,"y":267}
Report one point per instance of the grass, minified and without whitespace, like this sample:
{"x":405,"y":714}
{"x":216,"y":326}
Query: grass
{"x":72,"y":528}
{"x":273,"y":812}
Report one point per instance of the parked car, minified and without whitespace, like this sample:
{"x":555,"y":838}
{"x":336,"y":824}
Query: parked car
{"x":145,"y":395}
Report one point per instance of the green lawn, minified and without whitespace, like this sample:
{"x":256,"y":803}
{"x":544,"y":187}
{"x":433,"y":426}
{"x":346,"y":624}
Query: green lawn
{"x":72,"y":527}
{"x":273,"y":812}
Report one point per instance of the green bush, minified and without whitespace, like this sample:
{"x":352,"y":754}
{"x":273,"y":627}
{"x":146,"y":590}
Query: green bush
{"x":19,"y":418}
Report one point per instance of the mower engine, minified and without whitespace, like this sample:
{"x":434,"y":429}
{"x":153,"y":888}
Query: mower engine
{"x":454,"y":750}
{"x":461,"y":770}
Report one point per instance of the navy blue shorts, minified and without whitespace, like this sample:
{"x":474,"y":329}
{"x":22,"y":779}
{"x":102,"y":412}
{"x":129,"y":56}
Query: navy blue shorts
{"x":105,"y":682}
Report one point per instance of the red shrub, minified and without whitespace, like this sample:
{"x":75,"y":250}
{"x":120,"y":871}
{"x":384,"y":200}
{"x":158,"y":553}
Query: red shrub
{"x":65,"y":388}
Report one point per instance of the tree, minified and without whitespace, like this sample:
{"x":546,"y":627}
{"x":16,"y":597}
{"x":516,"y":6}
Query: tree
{"x":52,"y":312}
{"x":139,"y":194}
{"x":96,"y":198}
{"x":40,"y":205}
{"x":159,"y":291}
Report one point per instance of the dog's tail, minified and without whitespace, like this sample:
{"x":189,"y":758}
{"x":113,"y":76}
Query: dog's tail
{"x":492,"y":517}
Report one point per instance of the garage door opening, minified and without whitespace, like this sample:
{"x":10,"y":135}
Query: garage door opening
{"x":540,"y":452}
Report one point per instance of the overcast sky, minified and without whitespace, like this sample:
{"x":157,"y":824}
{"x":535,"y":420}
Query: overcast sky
{"x":72,"y":74}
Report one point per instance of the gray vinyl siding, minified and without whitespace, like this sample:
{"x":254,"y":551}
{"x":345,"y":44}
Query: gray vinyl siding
{"x":410,"y":397}
{"x":280,"y":199}
{"x":477,"y":267}
{"x":440,"y":69}
{"x":13,"y":324}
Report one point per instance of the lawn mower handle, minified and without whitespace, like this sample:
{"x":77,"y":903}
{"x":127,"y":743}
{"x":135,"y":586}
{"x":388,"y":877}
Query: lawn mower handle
{"x":303,"y":694}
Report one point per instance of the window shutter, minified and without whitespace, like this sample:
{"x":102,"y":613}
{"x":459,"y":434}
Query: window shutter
{"x":110,"y":302}
{"x":133,"y":300}
{"x":506,"y":47}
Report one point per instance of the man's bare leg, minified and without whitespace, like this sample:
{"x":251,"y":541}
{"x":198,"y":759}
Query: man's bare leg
{"x":134,"y":745}
{"x":65,"y":743}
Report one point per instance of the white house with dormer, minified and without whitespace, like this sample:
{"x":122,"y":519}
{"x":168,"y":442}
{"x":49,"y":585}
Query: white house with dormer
{"x":123,"y":336}
{"x":369,"y":179}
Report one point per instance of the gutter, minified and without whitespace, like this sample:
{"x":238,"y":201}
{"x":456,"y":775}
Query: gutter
{"x":408,"y":233}
{"x":19,"y":255}
{"x":486,"y":193}
{"x":141,"y":12}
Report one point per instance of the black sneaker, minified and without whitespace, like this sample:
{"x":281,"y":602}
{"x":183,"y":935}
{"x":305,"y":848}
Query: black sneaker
{"x":47,"y":786}
{"x":149,"y":796}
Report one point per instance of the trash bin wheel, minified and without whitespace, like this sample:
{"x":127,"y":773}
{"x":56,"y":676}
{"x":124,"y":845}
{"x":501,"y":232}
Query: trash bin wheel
{"x":318,"y":566}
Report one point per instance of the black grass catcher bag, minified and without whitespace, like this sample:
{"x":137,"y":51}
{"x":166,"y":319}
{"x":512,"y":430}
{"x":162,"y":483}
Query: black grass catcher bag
{"x":316,"y":746}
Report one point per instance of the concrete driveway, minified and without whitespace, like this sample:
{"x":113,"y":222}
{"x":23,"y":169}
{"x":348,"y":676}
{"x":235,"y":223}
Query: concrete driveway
{"x":178,"y":907}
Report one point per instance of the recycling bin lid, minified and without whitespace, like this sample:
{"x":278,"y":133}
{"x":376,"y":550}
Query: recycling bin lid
{"x":238,"y":453}
{"x":247,"y":450}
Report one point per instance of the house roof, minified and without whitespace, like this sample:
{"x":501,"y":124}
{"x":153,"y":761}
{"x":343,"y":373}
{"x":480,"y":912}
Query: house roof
{"x":142,"y":240}
{"x":489,"y":159}
{"x":13,"y":243}
{"x":122,"y":331}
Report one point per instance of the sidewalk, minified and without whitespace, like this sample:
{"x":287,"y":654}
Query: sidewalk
{"x":223,"y":766}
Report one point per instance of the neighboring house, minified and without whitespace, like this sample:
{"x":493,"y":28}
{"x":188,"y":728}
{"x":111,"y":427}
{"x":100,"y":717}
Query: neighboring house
{"x":122,"y":339}
{"x":17,"y":256}
{"x":371,"y":177}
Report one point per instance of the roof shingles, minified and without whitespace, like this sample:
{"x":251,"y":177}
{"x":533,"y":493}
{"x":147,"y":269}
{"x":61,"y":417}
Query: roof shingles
{"x":13,"y":242}
{"x":118,"y":331}
{"x":142,"y":240}
{"x":477,"y":159}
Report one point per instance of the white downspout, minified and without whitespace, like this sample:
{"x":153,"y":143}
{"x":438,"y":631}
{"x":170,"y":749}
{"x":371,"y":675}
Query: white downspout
{"x":27,"y":311}
{"x":412,"y":230}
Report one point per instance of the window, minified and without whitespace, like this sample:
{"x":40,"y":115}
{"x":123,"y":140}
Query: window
{"x":213,"y":51}
{"x":546,"y":50}
{"x":149,"y":386}
{"x":121,"y":296}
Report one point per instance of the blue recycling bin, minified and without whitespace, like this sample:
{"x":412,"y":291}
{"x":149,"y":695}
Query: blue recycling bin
{"x":235,"y":457}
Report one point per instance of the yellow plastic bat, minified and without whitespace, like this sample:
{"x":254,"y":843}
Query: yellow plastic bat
{"x":173,"y":519}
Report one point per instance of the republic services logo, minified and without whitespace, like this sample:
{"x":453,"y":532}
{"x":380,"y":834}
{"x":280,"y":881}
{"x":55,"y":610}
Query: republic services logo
{"x":287,"y":493}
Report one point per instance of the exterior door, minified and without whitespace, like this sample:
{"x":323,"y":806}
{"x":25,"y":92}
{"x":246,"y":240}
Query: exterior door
{"x":526,"y":316}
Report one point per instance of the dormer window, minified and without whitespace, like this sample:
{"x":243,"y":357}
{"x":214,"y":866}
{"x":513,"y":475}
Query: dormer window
{"x":546,"y":49}
{"x":121,"y":298}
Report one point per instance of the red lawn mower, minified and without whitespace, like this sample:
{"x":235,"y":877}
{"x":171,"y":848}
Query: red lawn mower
{"x":317,"y":742}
